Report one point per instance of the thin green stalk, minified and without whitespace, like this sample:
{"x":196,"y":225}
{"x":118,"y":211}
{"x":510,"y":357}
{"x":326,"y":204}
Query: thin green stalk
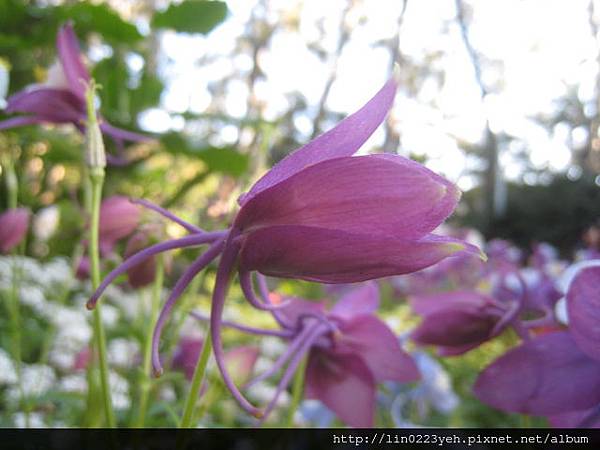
{"x":145,"y":381}
{"x":92,"y":419}
{"x":97,"y":180}
{"x":297,"y":390}
{"x":192,"y":398}
{"x":15,"y":332}
{"x":214,"y":391}
{"x":14,"y":308}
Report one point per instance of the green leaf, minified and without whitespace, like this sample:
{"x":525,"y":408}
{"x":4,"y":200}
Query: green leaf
{"x":148,"y":93}
{"x":111,"y":73}
{"x":104,"y":20}
{"x":24,"y":26}
{"x":218,"y":159}
{"x":191,"y":16}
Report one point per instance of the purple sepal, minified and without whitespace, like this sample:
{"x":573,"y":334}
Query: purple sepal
{"x":544,"y":376}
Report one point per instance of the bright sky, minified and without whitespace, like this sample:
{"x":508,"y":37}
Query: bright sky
{"x":540,"y":47}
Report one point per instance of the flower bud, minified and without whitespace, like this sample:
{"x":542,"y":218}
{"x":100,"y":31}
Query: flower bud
{"x":95,"y":155}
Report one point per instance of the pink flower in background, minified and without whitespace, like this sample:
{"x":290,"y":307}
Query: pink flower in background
{"x":457,"y":322}
{"x":119,"y":217}
{"x":14,"y":224}
{"x":142,"y":274}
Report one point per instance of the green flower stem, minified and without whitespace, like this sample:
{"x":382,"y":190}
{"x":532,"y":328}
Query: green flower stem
{"x":14,"y":311}
{"x":97,"y":180}
{"x":214,"y":391}
{"x":145,"y":382}
{"x":13,"y":306}
{"x":190,"y":402}
{"x":12,"y":186}
{"x":297,"y":390}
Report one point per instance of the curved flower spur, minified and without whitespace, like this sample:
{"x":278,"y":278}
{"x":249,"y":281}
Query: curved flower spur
{"x":322,"y":215}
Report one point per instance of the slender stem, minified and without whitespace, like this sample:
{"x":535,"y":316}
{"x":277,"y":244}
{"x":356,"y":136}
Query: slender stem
{"x":214,"y":391}
{"x":97,"y":180}
{"x":15,"y":332}
{"x":12,"y":186}
{"x":192,"y":398}
{"x":145,"y":382}
{"x":92,"y":419}
{"x":14,"y":308}
{"x":297,"y":390}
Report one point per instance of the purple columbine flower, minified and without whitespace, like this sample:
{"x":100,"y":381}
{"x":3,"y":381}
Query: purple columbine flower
{"x":358,"y":353}
{"x":459,"y":321}
{"x":14,"y":224}
{"x":322,"y":215}
{"x":555,"y":374}
{"x":62,"y":98}
{"x":349,"y":351}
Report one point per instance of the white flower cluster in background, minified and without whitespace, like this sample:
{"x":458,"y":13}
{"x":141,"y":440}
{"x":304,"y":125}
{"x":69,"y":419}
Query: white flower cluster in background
{"x":50,"y":293}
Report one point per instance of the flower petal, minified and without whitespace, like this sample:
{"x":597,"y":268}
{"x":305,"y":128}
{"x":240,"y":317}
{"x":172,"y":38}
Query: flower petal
{"x":14,"y":224}
{"x":450,"y":328}
{"x":344,"y":384}
{"x":342,"y":140}
{"x":119,"y":217}
{"x":143,"y":273}
{"x":51,"y":105}
{"x":375,"y":194}
{"x":372,"y":340}
{"x":186,"y":355}
{"x":297,"y":308}
{"x":583,"y":306}
{"x":22,"y":121}
{"x":361,"y":300}
{"x":120,"y":133}
{"x":69,"y":54}
{"x":464,"y":300}
{"x":332,"y":256}
{"x":544,"y":376}
{"x":587,"y":418}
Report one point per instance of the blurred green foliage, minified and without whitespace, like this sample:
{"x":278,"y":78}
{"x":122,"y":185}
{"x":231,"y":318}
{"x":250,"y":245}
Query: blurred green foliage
{"x":191,"y":16}
{"x":558,"y":212}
